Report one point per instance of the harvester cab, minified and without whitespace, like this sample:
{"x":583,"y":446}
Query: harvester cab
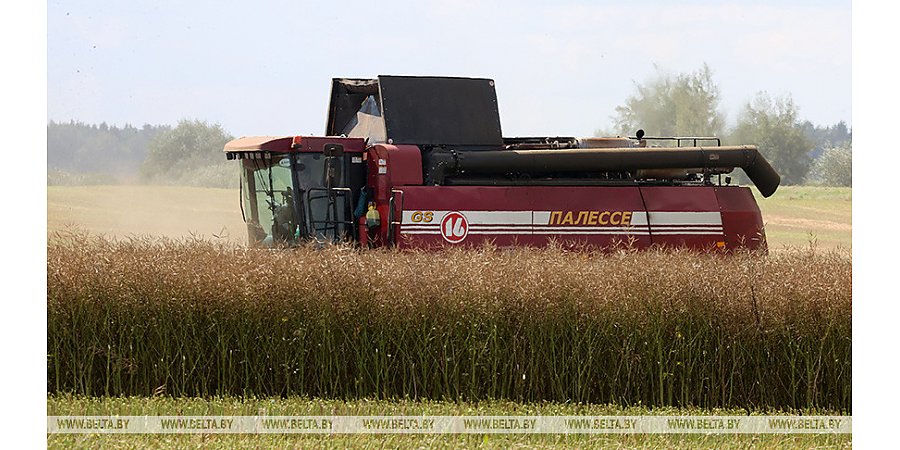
{"x":329,"y":173}
{"x":296,"y":189}
{"x":422,"y":162}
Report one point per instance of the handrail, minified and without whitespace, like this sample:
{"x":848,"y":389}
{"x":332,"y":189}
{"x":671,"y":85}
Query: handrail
{"x":343,"y":191}
{"x":391,"y":215}
{"x":679,"y":139}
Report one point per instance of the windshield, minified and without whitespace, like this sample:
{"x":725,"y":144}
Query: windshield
{"x":277,"y":213}
{"x":269,"y":195}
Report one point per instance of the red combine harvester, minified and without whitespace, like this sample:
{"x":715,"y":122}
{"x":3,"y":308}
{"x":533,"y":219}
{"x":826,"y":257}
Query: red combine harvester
{"x":421,"y":162}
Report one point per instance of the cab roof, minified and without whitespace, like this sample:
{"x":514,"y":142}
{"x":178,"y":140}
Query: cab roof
{"x":280,"y":144}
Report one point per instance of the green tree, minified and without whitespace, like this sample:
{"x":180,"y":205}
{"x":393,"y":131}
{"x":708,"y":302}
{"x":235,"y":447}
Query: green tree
{"x":190,"y":153}
{"x":673,"y":105}
{"x":835,"y":166}
{"x":772,"y":125}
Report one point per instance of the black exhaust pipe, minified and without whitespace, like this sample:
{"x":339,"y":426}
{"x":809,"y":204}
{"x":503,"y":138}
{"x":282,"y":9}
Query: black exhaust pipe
{"x":747,"y":157}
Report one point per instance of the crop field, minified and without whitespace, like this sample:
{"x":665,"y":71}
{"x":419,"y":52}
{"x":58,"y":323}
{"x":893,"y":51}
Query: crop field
{"x":798,"y":215}
{"x":167,"y":313}
{"x":195,"y":318}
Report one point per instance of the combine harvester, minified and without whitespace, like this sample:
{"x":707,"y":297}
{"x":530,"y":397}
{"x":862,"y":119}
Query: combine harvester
{"x":420,"y":162}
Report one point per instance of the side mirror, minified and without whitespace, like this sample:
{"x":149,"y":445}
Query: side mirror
{"x":334,"y":150}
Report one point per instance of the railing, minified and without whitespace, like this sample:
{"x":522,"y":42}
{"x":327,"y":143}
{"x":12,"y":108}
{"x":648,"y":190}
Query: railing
{"x":392,"y":223}
{"x":330,"y":224}
{"x":680,"y":139}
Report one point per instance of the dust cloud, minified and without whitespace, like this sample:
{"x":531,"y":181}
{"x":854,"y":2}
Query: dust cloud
{"x":165,"y":211}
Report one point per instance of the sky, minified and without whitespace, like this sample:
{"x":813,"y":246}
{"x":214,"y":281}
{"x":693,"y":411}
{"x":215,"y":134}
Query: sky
{"x":560,"y":68}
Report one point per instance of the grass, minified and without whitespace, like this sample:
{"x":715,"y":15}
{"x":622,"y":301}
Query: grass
{"x":657,"y":328}
{"x":73,"y":405}
{"x":798,"y":215}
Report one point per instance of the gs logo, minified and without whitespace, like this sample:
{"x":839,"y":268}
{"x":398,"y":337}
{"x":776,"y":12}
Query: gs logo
{"x":422,"y":216}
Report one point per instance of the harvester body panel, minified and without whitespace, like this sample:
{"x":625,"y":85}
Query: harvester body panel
{"x":579,"y":216}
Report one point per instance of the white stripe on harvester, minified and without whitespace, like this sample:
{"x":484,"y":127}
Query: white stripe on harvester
{"x":699,"y":233}
{"x":677,"y":218}
{"x":662,"y":223}
{"x":686,"y":228}
{"x":421,"y":227}
{"x":479,"y":217}
{"x":625,"y":228}
{"x":598,"y":230}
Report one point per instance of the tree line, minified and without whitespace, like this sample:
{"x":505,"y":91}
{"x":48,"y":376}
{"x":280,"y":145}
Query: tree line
{"x":78,"y":152}
{"x":687,"y":104}
{"x":189,"y":153}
